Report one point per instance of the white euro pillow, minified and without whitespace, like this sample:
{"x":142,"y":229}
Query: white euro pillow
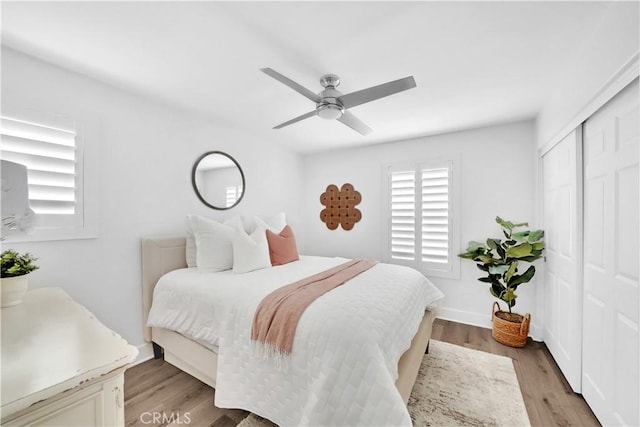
{"x":191,"y":253}
{"x":250,"y":252}
{"x":275,"y":224}
{"x":235,"y":222}
{"x":213,"y":243}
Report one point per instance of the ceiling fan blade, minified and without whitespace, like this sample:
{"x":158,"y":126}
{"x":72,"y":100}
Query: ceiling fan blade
{"x":354,"y":123}
{"x":297,"y":119}
{"x":376,"y":92}
{"x":293,"y":85}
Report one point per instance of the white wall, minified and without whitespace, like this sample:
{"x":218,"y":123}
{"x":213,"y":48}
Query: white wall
{"x":497,"y":178}
{"x":591,"y":65}
{"x":145,"y":151}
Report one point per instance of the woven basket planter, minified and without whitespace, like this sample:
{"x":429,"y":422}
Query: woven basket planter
{"x":513,"y":334}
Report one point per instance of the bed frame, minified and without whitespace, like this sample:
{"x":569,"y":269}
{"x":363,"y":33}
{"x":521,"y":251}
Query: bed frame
{"x":166,"y":253}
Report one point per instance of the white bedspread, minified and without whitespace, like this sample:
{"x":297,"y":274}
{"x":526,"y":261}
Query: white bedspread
{"x":343,"y":366}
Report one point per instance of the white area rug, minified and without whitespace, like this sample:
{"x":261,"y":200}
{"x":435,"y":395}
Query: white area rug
{"x":457,"y":386}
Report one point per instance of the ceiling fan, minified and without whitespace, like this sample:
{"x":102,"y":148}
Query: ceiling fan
{"x":333,"y":105}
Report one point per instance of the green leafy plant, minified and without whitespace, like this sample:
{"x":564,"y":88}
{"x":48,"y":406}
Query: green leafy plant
{"x":15,"y":264}
{"x":502,"y":259}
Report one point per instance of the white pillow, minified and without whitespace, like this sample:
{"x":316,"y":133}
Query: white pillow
{"x":235,"y":222}
{"x":191,"y":252}
{"x":191,"y":249}
{"x":250,"y":252}
{"x":275,"y":223}
{"x":213,"y":243}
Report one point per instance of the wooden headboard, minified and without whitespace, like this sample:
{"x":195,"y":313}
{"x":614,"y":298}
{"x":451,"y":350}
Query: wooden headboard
{"x":160,"y":255}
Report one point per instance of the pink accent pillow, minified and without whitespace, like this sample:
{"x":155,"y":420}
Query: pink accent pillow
{"x":282,"y":247}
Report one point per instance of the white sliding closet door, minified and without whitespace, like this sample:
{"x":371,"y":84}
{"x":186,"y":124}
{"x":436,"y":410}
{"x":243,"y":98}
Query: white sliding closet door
{"x":611,"y":235}
{"x":562,"y":177}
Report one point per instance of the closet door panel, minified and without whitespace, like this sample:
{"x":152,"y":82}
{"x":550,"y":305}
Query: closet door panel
{"x":561,"y":173}
{"x":611,"y":256}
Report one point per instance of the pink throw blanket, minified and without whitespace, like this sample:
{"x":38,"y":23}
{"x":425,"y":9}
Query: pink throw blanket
{"x":277,"y":316}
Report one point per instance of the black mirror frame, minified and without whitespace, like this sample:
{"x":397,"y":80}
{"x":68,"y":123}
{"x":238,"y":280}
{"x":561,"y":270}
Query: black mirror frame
{"x":195,"y":187}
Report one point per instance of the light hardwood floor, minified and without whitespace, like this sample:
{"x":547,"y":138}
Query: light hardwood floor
{"x":154,"y":388}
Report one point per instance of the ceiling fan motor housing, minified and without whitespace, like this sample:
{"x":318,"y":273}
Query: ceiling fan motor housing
{"x":329,"y":107}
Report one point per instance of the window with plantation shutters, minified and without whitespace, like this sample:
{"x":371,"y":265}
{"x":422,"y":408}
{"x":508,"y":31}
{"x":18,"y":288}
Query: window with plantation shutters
{"x":422,"y":227}
{"x":54,"y":165}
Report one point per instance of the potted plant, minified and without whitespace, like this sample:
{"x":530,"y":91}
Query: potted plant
{"x":13,"y":277}
{"x":502,"y":261}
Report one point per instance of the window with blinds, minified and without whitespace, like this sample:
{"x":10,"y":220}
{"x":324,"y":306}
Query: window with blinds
{"x":421,"y":232}
{"x":50,"y":157}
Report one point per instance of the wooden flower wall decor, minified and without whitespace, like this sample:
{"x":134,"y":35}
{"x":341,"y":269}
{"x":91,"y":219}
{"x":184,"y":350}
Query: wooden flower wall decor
{"x":340,"y":207}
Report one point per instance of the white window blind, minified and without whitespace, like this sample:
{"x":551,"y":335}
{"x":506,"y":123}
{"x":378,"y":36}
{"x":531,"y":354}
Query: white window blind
{"x":435,"y":215}
{"x":403,"y":215}
{"x":50,"y":157}
{"x":421,"y":231}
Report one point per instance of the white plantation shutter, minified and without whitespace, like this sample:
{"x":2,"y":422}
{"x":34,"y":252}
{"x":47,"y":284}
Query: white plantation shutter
{"x":403,"y":215}
{"x":435,"y":215}
{"x":50,"y":157}
{"x":421,"y":211}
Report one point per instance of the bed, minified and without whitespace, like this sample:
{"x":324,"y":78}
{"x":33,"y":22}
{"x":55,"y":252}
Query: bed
{"x":166,"y":254}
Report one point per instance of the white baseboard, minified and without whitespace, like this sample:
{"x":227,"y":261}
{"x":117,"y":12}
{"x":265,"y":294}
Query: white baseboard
{"x":467,"y":317}
{"x":482,"y":320}
{"x":145,"y":352}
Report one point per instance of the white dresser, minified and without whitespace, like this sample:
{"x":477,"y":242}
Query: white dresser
{"x":60,"y":366}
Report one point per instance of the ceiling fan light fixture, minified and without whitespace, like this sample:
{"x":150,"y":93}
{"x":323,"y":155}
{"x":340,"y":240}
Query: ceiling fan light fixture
{"x":330,"y":111}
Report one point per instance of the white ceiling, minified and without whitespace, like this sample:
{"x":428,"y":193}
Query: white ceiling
{"x":475,"y":63}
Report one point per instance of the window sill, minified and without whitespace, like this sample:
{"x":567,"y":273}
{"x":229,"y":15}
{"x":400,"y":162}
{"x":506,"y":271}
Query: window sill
{"x":51,"y":235}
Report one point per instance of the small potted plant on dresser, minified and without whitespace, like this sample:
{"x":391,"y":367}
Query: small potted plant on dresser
{"x":14,"y":276}
{"x":502,"y":260}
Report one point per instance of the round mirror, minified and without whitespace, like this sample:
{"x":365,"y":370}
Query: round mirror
{"x":218,"y":180}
